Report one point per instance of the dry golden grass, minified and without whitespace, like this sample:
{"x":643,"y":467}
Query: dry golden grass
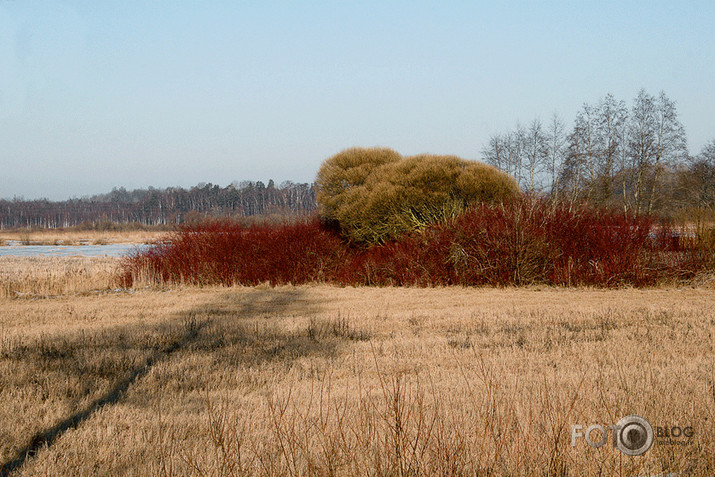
{"x":41,"y":276}
{"x":319,"y":380}
{"x":79,"y":237}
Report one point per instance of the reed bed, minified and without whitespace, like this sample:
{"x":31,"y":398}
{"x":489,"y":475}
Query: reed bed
{"x":78,"y":237}
{"x":28,"y":277}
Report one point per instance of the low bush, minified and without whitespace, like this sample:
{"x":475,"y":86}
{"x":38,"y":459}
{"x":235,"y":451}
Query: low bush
{"x":534,"y":242}
{"x":517,"y":243}
{"x":223,"y":252}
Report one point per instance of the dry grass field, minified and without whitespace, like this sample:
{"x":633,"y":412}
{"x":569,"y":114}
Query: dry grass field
{"x":45,"y":276}
{"x":78,"y":237}
{"x":321,"y":380}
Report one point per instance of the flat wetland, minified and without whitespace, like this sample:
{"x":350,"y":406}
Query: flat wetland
{"x":323,"y":380}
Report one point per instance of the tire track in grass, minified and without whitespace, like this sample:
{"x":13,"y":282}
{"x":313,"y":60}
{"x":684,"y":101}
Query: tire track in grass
{"x":49,"y":436}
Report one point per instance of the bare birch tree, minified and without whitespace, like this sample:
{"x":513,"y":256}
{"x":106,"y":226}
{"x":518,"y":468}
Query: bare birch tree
{"x":610,"y":133}
{"x":641,"y":144}
{"x":506,"y":153}
{"x":656,"y":141}
{"x":495,"y":152}
{"x":670,"y":143}
{"x":580,"y":169}
{"x":515,"y":147}
{"x":535,"y":155}
{"x":555,"y":154}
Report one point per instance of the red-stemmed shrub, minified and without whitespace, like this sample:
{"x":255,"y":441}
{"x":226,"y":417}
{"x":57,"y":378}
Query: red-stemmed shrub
{"x":227,"y":253}
{"x":676,"y":253}
{"x":417,"y":259}
{"x":518,"y":243}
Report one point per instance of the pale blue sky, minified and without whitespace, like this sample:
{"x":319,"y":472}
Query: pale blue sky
{"x":96,"y":94}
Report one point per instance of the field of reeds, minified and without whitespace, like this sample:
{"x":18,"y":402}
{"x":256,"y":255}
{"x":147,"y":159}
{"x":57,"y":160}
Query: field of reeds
{"x":325,"y":380}
{"x":43,"y":276}
{"x":77,"y":236}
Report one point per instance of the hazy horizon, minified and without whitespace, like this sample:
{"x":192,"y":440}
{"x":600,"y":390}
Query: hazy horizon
{"x":96,"y":95}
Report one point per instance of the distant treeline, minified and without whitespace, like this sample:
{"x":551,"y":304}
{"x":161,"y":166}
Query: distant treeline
{"x":615,"y":156}
{"x":155,"y":207}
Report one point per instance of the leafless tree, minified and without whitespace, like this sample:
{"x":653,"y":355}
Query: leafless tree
{"x":555,"y":153}
{"x":515,"y":149}
{"x":696,"y":182}
{"x":707,"y":155}
{"x":580,"y":170}
{"x":670,"y":142}
{"x":535,"y":154}
{"x":495,"y":152}
{"x":506,"y":152}
{"x":613,"y":156}
{"x":656,"y":140}
{"x":611,"y":118}
{"x":641,"y":143}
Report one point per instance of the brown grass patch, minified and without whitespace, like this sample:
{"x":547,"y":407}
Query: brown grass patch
{"x":31,"y":277}
{"x":78,"y":237}
{"x":319,"y":380}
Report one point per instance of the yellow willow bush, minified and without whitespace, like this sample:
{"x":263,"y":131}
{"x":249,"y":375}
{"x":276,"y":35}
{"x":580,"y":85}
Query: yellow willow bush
{"x":376,"y":195}
{"x":343,"y":172}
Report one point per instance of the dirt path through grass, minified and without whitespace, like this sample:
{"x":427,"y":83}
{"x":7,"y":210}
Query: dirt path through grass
{"x":104,"y":363}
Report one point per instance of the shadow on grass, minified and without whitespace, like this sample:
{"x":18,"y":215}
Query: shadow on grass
{"x":235,"y":329}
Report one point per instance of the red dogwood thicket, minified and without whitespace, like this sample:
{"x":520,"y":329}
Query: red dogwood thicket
{"x":519,"y":243}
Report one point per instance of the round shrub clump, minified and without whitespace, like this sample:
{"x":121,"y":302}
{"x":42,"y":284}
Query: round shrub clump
{"x":376,"y":195}
{"x":343,"y":172}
